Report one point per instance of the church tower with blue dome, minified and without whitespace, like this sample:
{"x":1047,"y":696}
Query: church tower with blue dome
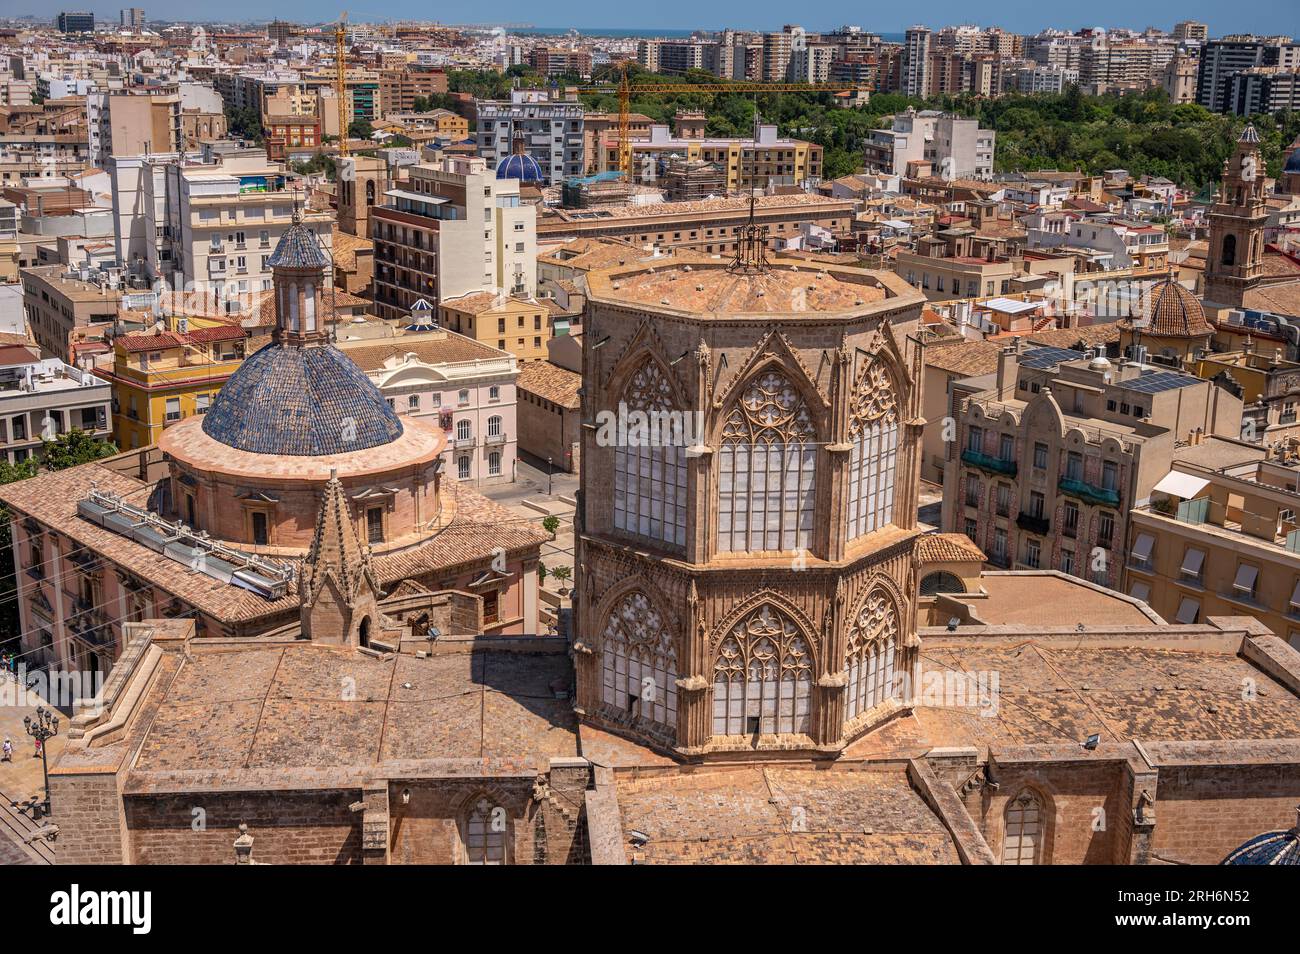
{"x":520,"y":165}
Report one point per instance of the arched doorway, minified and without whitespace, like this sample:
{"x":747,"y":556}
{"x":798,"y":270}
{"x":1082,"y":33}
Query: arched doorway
{"x":364,"y":632}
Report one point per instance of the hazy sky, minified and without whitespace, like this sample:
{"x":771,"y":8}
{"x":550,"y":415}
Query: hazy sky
{"x":1261,"y":16}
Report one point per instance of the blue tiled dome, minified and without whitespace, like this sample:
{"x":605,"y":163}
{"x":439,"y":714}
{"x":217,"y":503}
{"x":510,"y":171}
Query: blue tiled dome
{"x":1270,"y":848}
{"x":298,"y":248}
{"x":1293,"y":163}
{"x":300,"y":402}
{"x":523,"y":167}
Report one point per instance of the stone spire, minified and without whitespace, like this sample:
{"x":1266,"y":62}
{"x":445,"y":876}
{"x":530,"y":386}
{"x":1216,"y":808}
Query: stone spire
{"x":338,"y":591}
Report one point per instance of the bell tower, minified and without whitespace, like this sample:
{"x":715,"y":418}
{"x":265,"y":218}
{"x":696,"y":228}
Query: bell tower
{"x":1237,"y":217}
{"x":298,"y":267}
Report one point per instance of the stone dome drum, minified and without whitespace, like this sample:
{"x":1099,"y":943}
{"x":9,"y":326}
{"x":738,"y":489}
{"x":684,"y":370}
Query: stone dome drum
{"x":301,"y":402}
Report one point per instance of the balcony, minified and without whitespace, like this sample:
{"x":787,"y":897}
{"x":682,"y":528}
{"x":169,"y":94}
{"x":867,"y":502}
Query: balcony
{"x":989,"y":464}
{"x":495,"y":439}
{"x":460,"y":442}
{"x":1088,"y":493}
{"x":1039,"y":525}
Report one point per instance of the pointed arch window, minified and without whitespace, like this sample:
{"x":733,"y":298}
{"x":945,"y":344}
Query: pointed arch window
{"x":639,"y":662}
{"x":767,"y":469}
{"x":872,"y":648}
{"x":1022,"y":842}
{"x":762,"y":677}
{"x":484,"y":837}
{"x":650,"y":462}
{"x":873,"y":432}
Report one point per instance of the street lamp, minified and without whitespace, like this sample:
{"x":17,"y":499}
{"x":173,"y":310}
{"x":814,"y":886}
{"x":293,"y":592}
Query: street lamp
{"x":549,"y":471}
{"x":44,"y":728}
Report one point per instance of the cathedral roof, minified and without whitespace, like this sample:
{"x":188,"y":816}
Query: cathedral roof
{"x":1175,"y":312}
{"x":1249,"y":134}
{"x":300,"y":401}
{"x":1293,"y":162}
{"x":520,"y":166}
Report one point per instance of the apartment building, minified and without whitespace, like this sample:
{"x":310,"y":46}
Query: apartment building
{"x":40,"y":399}
{"x":916,"y":62}
{"x":133,"y":124}
{"x":764,"y":160}
{"x":467,"y":387}
{"x":553,"y":61}
{"x":1191,"y":31}
{"x":66,"y":306}
{"x":399,"y":89}
{"x":955,"y":146}
{"x":550,"y":125}
{"x":1223,"y":59}
{"x":519,"y":324}
{"x":1107,"y":242}
{"x":452,"y":229}
{"x":160,"y":377}
{"x":1220,"y":541}
{"x":210,"y":224}
{"x":1264,"y":89}
{"x":1051,"y":451}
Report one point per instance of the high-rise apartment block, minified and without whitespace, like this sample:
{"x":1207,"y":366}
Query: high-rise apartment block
{"x":548,"y":125}
{"x":916,"y":62}
{"x":1223,"y":59}
{"x":452,"y":229}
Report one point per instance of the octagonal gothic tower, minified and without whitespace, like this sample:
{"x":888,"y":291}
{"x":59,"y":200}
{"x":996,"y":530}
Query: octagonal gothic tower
{"x":751,"y":442}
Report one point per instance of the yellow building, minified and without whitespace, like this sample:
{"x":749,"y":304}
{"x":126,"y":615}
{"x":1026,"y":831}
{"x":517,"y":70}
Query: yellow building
{"x":519,"y":325}
{"x":757,"y":162}
{"x":162,"y":377}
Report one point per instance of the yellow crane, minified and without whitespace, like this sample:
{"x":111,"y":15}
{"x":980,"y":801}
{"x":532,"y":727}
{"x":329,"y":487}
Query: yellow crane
{"x":625,"y":89}
{"x":341,"y":80}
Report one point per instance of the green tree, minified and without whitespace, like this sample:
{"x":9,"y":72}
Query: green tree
{"x":360,"y":129}
{"x":74,"y":447}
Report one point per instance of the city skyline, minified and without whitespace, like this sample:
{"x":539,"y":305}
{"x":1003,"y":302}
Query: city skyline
{"x":1269,"y":18}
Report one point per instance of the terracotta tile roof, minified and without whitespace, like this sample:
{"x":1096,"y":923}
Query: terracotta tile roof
{"x":947,"y":548}
{"x":445,"y":348}
{"x":1091,"y":335}
{"x":1283,"y":298}
{"x":345,"y":247}
{"x":551,"y":382}
{"x":477,"y":530}
{"x":962,"y":357}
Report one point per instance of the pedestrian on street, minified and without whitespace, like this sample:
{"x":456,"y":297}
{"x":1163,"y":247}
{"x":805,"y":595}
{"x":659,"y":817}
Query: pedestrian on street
{"x":37,"y":753}
{"x":8,"y":752}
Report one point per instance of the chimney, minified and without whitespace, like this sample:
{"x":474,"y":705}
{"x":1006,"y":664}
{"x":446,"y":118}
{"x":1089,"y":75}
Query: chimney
{"x":1008,"y":370}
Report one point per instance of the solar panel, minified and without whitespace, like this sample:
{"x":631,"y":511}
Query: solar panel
{"x":1047,"y":357}
{"x":1153,"y":382}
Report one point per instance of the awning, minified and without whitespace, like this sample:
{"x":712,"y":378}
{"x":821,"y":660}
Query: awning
{"x":1188,"y":610}
{"x":1181,"y":485}
{"x":1142,"y":547}
{"x":1192,"y":562}
{"x":1140,"y":591}
{"x":1295,"y":595}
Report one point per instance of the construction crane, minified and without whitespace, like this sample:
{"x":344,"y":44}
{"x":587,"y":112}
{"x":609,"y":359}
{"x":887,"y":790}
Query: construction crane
{"x":625,"y":89}
{"x":341,"y":81}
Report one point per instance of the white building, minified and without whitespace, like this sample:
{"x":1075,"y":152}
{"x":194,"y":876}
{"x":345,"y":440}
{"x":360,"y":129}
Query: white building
{"x":956,"y":147}
{"x":44,"y":398}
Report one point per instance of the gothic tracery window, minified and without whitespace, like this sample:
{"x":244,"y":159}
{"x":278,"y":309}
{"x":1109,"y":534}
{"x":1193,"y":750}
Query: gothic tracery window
{"x":762,"y":677}
{"x":872,"y":646}
{"x":873,"y":432}
{"x":1024,"y":828}
{"x":767,"y":469}
{"x":485,"y":833}
{"x":650,"y":465}
{"x":639,"y":662}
